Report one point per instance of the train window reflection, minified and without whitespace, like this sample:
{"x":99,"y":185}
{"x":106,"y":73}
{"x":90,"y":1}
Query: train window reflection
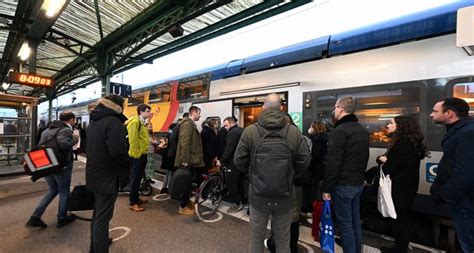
{"x":193,"y":89}
{"x":160,"y":94}
{"x":466,"y":92}
{"x":375,"y":108}
{"x":137,"y":98}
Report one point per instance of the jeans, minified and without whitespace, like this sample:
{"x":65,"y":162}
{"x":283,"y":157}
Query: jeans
{"x":280,"y":227}
{"x":137,"y":174}
{"x":346,"y":200}
{"x":59,"y":183}
{"x":463,"y":220}
{"x":103,"y":212}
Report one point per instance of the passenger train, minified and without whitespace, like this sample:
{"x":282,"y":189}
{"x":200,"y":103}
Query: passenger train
{"x":401,"y":66}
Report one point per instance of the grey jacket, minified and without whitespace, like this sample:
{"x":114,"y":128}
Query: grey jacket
{"x":271,"y":119}
{"x":64,"y":137}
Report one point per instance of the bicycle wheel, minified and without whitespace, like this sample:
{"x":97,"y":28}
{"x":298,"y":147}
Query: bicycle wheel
{"x":208,"y":197}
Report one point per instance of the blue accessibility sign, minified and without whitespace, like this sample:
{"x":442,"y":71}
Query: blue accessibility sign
{"x":431,"y":172}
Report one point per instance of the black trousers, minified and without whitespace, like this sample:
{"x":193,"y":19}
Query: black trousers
{"x":235,"y":182}
{"x":103,"y":212}
{"x":401,"y":230}
{"x":138,"y":169}
{"x":294,"y":237}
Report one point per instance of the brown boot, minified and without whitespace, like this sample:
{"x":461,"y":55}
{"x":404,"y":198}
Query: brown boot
{"x":186,"y":211}
{"x":142,"y":201}
{"x":191,"y":204}
{"x":136,"y":208}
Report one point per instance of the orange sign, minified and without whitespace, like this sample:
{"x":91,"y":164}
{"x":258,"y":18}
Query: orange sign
{"x":30,"y":79}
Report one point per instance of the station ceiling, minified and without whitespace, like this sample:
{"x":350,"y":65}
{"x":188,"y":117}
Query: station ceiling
{"x":91,"y":39}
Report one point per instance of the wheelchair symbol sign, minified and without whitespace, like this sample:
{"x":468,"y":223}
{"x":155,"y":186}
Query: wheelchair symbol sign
{"x":431,"y":172}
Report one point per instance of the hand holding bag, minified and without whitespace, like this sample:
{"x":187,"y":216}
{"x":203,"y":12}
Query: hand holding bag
{"x":384,"y":200}
{"x":326,"y":229}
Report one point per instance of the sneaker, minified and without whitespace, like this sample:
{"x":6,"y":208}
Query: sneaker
{"x":235,"y":208}
{"x":265,"y":243}
{"x":164,"y":191}
{"x":36,"y":222}
{"x":186,"y":210}
{"x":66,"y":220}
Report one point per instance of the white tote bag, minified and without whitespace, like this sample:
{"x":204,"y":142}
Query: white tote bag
{"x":384,"y":200}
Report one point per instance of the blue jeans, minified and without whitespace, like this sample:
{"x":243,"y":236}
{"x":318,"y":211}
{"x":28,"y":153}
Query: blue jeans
{"x":61,"y":184}
{"x":463,"y":220}
{"x":346,"y":201}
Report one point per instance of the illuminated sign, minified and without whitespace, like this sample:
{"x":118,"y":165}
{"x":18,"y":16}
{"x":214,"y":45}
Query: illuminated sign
{"x":30,"y":79}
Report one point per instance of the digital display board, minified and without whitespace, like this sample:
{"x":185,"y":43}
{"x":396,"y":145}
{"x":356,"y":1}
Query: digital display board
{"x":30,"y":79}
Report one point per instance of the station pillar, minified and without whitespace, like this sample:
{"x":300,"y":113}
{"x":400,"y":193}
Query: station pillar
{"x":104,"y":63}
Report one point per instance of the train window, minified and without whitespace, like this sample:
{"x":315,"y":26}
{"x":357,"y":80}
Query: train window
{"x":375,"y":108}
{"x":160,"y":94}
{"x":466,"y":92}
{"x":137,"y":98}
{"x":193,"y":89}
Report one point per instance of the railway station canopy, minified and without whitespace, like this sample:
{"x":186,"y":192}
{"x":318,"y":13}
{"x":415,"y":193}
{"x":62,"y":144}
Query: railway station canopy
{"x":77,"y":43}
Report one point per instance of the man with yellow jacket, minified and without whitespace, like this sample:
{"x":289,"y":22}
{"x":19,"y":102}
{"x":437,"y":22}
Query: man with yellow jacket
{"x":138,"y":140}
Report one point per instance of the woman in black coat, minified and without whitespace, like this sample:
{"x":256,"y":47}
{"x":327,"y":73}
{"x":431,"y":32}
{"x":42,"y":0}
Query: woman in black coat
{"x":402,"y":163}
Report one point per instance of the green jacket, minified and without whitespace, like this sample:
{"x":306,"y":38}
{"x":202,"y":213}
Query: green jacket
{"x":189,"y":145}
{"x":137,"y":137}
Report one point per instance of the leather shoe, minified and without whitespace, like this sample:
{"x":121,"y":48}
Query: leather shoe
{"x":136,"y":208}
{"x":186,"y":211}
{"x":142,"y":201}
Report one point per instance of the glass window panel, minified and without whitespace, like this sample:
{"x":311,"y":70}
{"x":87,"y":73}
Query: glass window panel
{"x":137,"y":98}
{"x":466,"y":92}
{"x":376,"y":108}
{"x":193,"y":89}
{"x":160,"y":94}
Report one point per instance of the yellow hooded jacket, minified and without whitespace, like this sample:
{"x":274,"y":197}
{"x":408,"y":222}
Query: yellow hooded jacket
{"x":137,"y":137}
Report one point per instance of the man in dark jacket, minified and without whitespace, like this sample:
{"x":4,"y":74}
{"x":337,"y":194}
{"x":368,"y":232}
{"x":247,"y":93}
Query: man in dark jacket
{"x":107,"y":163}
{"x":454,"y":183}
{"x":262,"y":205}
{"x":347,"y":156}
{"x":58,"y":183}
{"x":236,"y":177}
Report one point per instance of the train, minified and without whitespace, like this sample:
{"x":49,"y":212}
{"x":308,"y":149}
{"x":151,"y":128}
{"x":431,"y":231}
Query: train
{"x":400,"y":66}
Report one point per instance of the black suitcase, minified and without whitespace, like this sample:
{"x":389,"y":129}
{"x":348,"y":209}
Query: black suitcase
{"x":81,"y":199}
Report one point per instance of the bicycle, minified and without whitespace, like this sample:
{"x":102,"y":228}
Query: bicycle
{"x":209,"y":195}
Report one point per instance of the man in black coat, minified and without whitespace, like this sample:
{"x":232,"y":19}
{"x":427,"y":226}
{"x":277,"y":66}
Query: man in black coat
{"x":347,"y":156}
{"x":107,"y":163}
{"x":236,"y":177}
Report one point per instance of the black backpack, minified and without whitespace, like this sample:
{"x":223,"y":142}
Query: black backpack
{"x":173,"y":142}
{"x":181,"y":183}
{"x":272,"y":166}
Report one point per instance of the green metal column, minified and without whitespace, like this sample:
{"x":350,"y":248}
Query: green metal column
{"x":104,"y":62}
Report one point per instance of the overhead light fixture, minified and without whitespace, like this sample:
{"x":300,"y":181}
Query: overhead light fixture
{"x":52,"y":7}
{"x":176,"y":31}
{"x":25,"y":51}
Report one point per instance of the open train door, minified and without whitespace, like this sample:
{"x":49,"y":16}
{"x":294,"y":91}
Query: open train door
{"x":248,"y":109}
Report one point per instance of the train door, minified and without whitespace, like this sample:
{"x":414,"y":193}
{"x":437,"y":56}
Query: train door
{"x":248,"y":109}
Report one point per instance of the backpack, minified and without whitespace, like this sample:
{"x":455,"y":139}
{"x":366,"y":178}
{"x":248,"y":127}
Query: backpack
{"x":46,"y":159}
{"x":272,"y":165}
{"x":181,"y":182}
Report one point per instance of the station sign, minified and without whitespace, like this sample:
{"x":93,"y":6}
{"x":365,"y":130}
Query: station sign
{"x":30,"y":79}
{"x":431,"y":172}
{"x":121,"y":89}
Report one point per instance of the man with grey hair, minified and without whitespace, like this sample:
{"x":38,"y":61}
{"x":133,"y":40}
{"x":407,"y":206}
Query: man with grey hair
{"x":347,"y":156}
{"x":272,"y":151}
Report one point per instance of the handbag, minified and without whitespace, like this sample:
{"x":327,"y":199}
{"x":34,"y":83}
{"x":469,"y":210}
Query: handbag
{"x":384,"y":198}
{"x":41,"y":162}
{"x":318,"y":207}
{"x":81,"y":199}
{"x":326,"y":229}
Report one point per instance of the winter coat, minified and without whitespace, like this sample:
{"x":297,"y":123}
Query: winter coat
{"x":244,"y":155}
{"x":232,"y":140}
{"x":189,"y":148}
{"x":107,"y":148}
{"x":210,"y":145}
{"x":454,"y":182}
{"x":64,"y":137}
{"x":318,"y":156}
{"x":137,"y":137}
{"x":403,"y":166}
{"x":348,"y":154}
